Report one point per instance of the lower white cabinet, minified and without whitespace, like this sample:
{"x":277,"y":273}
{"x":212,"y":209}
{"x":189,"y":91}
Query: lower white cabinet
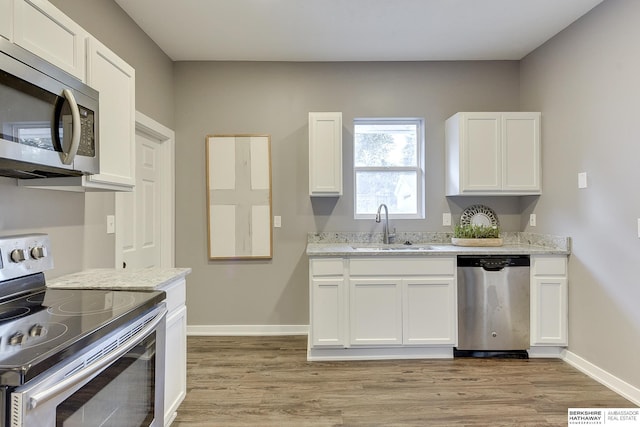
{"x":375,"y":311}
{"x":383,"y":302}
{"x":429,"y":309}
{"x":549,"y":301}
{"x":175,"y":378}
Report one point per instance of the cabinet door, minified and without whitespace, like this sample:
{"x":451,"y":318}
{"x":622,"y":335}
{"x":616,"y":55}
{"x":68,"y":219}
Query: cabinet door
{"x":481,"y":152}
{"x":429,"y":311}
{"x":325,"y":154}
{"x":115,"y":80}
{"x":6,"y":19}
{"x":521,"y":152}
{"x":44,"y":30}
{"x":549,"y":315}
{"x":328,"y":312}
{"x":375,"y":311}
{"x":175,"y":363}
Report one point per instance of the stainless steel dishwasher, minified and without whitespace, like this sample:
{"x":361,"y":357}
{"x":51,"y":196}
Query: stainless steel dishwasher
{"x":493,"y":306}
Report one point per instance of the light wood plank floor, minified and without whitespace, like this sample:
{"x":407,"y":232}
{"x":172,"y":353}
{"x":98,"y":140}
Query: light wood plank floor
{"x":267,"y":381}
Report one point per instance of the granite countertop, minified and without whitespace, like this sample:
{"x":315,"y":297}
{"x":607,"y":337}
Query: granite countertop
{"x":431,"y":244}
{"x":109,"y":278}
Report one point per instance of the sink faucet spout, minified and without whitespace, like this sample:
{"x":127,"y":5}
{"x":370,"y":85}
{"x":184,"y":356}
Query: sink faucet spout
{"x":386,"y":236}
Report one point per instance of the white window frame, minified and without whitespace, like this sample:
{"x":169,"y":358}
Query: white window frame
{"x":419,"y":168}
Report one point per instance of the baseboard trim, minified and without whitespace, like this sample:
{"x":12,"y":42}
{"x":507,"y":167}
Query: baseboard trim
{"x":612,"y":382}
{"x":246,"y":330}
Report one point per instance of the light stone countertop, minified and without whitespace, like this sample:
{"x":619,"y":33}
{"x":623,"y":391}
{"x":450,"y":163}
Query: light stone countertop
{"x":431,"y":244}
{"x":109,"y":278}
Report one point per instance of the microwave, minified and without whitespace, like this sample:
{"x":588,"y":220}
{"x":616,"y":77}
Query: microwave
{"x":48,"y":119}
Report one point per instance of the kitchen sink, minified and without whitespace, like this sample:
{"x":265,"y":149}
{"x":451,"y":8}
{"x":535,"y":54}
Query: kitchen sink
{"x":405,"y":248}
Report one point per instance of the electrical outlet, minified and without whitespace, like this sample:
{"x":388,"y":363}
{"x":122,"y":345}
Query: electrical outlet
{"x":277,"y":221}
{"x":446,"y":218}
{"x":532,"y":220}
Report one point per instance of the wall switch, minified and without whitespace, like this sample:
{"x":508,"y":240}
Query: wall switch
{"x":277,"y":221}
{"x":111,"y":224}
{"x":446,"y":218}
{"x":532,"y":220}
{"x":582,"y":180}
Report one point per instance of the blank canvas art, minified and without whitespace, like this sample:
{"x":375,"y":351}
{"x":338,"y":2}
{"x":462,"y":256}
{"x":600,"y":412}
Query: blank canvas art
{"x":239,"y":196}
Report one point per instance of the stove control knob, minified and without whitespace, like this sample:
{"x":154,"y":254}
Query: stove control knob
{"x":37,"y":330}
{"x":38,"y":252}
{"x":16,"y":339}
{"x":17,"y":255}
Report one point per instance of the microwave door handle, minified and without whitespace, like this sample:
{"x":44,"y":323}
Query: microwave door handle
{"x":67,"y":158}
{"x":83,"y":374}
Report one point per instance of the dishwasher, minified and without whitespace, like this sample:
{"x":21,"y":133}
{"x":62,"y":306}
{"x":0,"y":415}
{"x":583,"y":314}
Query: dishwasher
{"x":493,"y":306}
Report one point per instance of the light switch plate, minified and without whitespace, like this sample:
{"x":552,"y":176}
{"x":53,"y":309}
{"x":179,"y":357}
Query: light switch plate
{"x":582,"y":180}
{"x":111,"y":224}
{"x":446,"y":218}
{"x":277,"y":221}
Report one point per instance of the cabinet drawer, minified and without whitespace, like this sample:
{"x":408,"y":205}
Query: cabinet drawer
{"x":327,"y":267}
{"x":426,"y":266}
{"x":549,"y":266}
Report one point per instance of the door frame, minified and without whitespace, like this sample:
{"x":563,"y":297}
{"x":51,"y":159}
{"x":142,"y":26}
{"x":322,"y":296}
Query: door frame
{"x":166,"y":140}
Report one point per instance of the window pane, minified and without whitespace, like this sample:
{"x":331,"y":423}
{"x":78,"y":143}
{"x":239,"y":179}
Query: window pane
{"x":398,"y":190}
{"x":385,"y":144}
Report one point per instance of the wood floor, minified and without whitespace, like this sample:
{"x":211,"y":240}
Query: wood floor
{"x":267,"y":381}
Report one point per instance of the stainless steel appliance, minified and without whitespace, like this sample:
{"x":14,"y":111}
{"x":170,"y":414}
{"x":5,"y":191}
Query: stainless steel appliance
{"x":493,"y":306}
{"x":75,"y":357}
{"x":48,"y":119}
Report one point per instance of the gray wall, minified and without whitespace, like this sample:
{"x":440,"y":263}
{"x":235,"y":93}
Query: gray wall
{"x":275,"y":98}
{"x":73,"y":220}
{"x":585,"y":82}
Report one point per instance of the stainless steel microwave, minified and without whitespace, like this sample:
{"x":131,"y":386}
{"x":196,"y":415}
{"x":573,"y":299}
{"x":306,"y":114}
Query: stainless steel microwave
{"x":48,"y":119}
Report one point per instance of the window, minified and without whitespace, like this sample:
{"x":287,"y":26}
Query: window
{"x":388,"y":164}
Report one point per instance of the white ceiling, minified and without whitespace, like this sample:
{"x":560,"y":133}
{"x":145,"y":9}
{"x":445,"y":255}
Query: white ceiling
{"x":352,"y":30}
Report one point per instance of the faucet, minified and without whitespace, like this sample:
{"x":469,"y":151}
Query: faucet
{"x":386,"y":236}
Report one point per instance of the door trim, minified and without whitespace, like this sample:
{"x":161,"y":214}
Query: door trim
{"x":166,"y":139}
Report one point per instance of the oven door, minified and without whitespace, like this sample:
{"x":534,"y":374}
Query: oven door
{"x":118,"y":382}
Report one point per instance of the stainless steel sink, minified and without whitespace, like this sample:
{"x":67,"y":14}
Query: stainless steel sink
{"x":404,"y":248}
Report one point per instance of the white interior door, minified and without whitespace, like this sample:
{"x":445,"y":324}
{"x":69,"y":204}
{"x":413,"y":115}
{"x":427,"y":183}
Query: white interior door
{"x":144,"y":217}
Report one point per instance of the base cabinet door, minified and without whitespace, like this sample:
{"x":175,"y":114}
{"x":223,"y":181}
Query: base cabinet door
{"x":429,"y":311}
{"x":175,"y":373}
{"x":549,"y":301}
{"x":375,"y":311}
{"x":328,"y":312}
{"x":176,"y":364}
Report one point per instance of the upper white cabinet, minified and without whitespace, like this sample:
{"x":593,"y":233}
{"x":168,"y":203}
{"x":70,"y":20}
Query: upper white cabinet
{"x":6,"y":19}
{"x":325,"y":154}
{"x":116,"y":82}
{"x":549,"y":301}
{"x":41,"y":28}
{"x":493,"y":153}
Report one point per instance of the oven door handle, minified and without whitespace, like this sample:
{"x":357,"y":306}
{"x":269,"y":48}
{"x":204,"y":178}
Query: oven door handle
{"x":82,"y":375}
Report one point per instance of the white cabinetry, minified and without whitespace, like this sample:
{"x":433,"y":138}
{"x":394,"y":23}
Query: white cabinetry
{"x":6,"y":19}
{"x":115,"y":80}
{"x":375,"y":311}
{"x":325,"y":154}
{"x":41,"y":28}
{"x":327,"y":303}
{"x":549,"y":300}
{"x":430,"y":311}
{"x":493,"y":153}
{"x":175,"y":378}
